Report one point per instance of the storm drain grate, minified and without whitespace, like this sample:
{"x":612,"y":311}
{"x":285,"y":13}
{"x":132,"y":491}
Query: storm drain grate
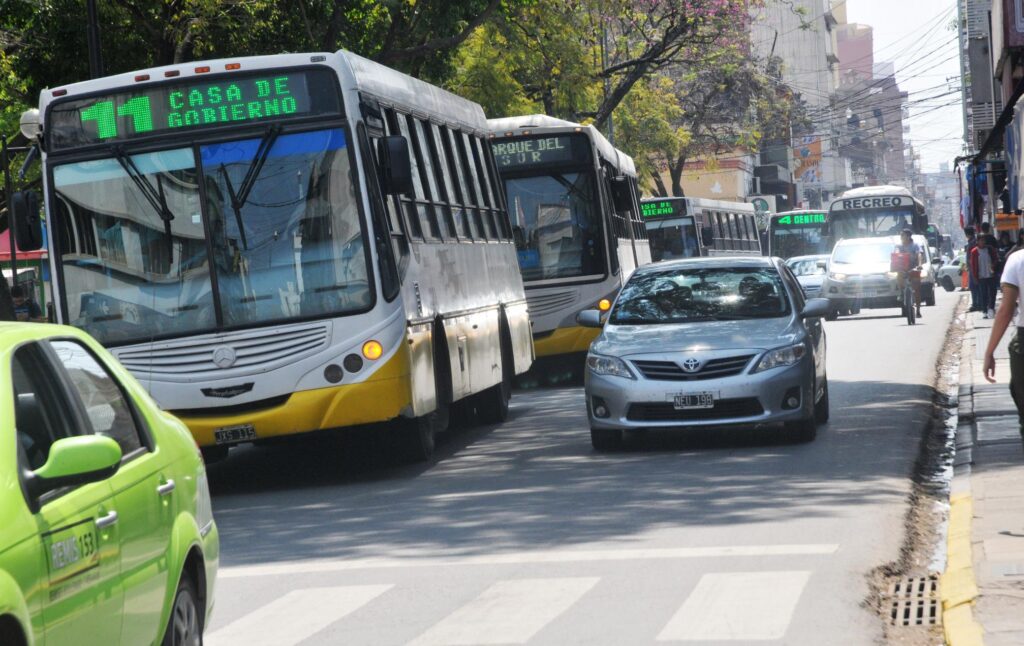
{"x":914,"y":601}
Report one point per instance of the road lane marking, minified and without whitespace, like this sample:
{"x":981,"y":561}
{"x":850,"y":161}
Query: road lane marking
{"x":521,"y":558}
{"x":737,"y":606}
{"x":296,"y":616}
{"x":508,"y":612}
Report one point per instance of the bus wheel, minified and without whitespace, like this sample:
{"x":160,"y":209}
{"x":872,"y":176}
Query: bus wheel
{"x":417,"y":437}
{"x":492,"y":404}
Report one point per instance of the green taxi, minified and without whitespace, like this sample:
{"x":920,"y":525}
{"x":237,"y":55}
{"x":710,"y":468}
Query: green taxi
{"x":106,"y":527}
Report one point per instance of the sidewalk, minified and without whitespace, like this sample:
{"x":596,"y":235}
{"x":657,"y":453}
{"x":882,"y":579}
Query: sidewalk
{"x":986,"y":529}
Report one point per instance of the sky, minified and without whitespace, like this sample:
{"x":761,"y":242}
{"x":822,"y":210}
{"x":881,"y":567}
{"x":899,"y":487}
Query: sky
{"x":915,"y":36}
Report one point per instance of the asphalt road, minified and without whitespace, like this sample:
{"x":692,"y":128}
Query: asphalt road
{"x":522,"y":534}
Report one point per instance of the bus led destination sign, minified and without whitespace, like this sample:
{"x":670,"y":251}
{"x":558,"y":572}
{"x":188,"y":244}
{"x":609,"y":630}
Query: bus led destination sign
{"x":662,"y":208}
{"x":529,"y":151}
{"x":801,"y":219}
{"x":855,"y":203}
{"x":179,"y":106}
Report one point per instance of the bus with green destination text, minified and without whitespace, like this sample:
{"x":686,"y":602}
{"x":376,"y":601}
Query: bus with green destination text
{"x":797,"y":233}
{"x":284,"y":244}
{"x":689,"y":227}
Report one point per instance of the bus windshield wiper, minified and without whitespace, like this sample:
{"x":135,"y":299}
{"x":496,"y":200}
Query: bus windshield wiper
{"x":239,"y":199}
{"x":154,"y":195}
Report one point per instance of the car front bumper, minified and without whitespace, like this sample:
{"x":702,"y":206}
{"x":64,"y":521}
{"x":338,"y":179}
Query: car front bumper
{"x":741,"y":400}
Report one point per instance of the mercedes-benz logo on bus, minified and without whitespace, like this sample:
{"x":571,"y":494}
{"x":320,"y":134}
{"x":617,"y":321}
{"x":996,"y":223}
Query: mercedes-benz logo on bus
{"x":224,"y":356}
{"x":691,"y":365}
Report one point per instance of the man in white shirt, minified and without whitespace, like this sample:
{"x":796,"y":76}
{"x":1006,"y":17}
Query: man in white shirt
{"x":1013,"y":279}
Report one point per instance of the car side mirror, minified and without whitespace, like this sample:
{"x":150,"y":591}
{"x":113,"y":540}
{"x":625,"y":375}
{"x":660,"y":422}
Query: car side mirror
{"x":936,"y":261}
{"x":75,"y":461}
{"x":28,"y":222}
{"x":815,"y":308}
{"x":395,"y":165}
{"x":822,"y":264}
{"x":707,"y":236}
{"x":589,"y":318}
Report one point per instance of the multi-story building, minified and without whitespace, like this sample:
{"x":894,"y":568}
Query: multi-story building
{"x":981,"y":94}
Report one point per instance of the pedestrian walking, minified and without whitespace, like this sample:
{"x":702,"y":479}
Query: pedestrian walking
{"x":1013,"y":278}
{"x":984,"y":264}
{"x":972,"y":281}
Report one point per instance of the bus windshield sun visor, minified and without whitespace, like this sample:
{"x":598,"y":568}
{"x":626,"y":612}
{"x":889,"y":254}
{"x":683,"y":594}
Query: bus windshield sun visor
{"x":154,"y":195}
{"x":238,"y":199}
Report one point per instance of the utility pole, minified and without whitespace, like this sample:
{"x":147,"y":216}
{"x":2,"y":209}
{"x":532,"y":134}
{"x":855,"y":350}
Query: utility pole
{"x":93,"y":38}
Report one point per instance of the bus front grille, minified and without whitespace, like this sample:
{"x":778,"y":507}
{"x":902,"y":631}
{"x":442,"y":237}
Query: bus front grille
{"x":254,"y":350}
{"x":550,"y":303}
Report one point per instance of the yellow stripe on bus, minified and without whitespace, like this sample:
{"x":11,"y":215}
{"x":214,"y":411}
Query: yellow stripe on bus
{"x":565,"y":340}
{"x":380,"y":398}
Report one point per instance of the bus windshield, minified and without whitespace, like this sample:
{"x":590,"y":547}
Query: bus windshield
{"x":869,"y":223}
{"x":561,"y":228}
{"x":292,"y":248}
{"x":673,"y":239}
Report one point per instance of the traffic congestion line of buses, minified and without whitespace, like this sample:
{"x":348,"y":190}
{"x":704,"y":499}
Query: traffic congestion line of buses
{"x":285,"y":244}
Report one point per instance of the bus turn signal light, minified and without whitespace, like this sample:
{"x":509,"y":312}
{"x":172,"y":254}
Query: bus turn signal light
{"x":604,"y":305}
{"x":373,"y":350}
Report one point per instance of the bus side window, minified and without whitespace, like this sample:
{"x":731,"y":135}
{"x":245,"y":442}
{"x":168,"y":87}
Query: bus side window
{"x":426,"y":206}
{"x":440,"y":179}
{"x":473,"y":181}
{"x":392,"y":205}
{"x":409,"y":203}
{"x":460,"y":218}
{"x":494,"y":187}
{"x":480,"y":176}
{"x":459,"y":176}
{"x":733,"y":233}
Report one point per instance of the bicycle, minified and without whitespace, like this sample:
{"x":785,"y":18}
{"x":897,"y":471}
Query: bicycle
{"x":907,"y":300}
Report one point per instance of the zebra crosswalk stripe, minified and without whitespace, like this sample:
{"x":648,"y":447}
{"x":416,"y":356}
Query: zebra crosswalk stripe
{"x":508,"y":612}
{"x":295,"y":616}
{"x":737,"y":606}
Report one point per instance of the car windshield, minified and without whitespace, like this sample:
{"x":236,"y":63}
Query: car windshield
{"x":701,"y":294}
{"x":863,"y":254}
{"x":806,"y":267}
{"x":561,"y":232}
{"x":135,"y":256}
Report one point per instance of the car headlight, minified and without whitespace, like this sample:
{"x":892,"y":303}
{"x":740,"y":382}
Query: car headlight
{"x":835,"y":276}
{"x":893,"y":275}
{"x":602,"y":365}
{"x":779,"y":357}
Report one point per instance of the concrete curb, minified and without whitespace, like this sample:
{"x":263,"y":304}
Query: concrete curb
{"x":957,"y":586}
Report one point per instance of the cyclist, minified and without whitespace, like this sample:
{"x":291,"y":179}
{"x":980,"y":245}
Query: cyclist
{"x":907,"y":259}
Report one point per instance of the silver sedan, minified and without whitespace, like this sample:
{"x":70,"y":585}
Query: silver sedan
{"x":708,"y":342}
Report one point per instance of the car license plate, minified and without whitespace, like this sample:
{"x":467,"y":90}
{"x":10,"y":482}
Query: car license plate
{"x":688,"y":401}
{"x":233,"y":434}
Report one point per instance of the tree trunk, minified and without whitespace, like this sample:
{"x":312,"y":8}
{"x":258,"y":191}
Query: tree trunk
{"x":659,"y":185}
{"x":675,"y":171}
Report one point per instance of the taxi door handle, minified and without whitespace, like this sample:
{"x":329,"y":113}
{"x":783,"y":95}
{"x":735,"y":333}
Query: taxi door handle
{"x":165,"y":488}
{"x":106,"y":521}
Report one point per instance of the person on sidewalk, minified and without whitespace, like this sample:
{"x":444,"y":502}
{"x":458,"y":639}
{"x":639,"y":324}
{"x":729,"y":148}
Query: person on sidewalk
{"x":972,"y":282}
{"x":1013,"y":278}
{"x":984,"y":263}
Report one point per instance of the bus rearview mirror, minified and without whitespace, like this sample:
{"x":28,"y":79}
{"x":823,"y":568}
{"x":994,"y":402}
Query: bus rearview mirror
{"x":28,"y":222}
{"x":707,"y":237}
{"x":395,"y":165}
{"x":622,"y":197}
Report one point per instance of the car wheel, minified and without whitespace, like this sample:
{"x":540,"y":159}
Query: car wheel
{"x":185,"y":627}
{"x":606,"y":439}
{"x":804,"y":430}
{"x":821,"y":410}
{"x":947,"y":284}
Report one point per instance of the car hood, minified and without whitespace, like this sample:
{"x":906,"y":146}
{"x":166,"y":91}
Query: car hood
{"x":753,"y":334}
{"x":859,"y":268}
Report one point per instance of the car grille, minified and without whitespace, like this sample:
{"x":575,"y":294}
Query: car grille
{"x":712,"y":369}
{"x":667,"y":412}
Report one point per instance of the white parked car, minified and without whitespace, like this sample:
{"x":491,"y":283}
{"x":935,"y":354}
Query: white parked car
{"x":949,"y":274}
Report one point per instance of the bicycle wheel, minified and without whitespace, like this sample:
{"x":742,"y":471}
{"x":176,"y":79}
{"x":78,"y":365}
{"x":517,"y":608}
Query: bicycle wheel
{"x":908,"y":305}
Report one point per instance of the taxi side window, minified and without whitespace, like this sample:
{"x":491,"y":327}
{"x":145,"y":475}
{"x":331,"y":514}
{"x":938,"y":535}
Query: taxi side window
{"x":40,"y":415}
{"x":103,"y":402}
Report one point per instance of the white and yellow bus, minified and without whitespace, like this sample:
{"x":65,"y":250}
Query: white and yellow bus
{"x":282,"y":244}
{"x":575,"y":211}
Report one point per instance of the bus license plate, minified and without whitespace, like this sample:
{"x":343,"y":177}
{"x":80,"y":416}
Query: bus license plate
{"x":233,"y":434}
{"x":689,"y":401}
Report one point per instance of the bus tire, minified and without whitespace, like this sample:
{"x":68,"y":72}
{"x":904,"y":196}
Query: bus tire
{"x":492,"y":404}
{"x":416,"y":438}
